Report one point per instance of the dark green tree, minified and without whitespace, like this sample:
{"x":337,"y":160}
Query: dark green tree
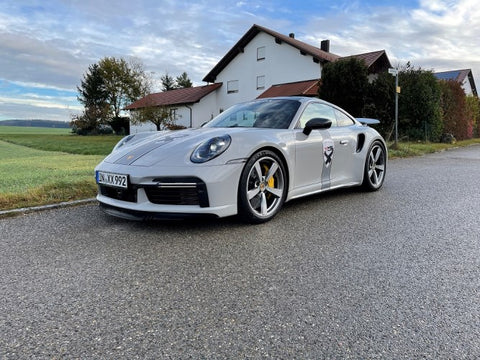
{"x":92,"y":90}
{"x":183,"y":81}
{"x":93,"y":94}
{"x":420,"y":114}
{"x":168,"y":82}
{"x":380,"y":103}
{"x":345,"y":84}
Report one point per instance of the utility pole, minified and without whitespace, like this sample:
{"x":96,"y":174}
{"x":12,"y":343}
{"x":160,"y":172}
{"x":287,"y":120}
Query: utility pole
{"x":394,"y":72}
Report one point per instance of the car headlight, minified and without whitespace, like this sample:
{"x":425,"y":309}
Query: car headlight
{"x":210,"y":149}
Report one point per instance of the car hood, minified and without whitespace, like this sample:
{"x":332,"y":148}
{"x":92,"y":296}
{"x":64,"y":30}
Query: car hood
{"x":176,"y":146}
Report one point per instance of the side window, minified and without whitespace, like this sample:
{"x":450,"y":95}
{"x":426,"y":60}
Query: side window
{"x":343,"y":119}
{"x":317,"y":110}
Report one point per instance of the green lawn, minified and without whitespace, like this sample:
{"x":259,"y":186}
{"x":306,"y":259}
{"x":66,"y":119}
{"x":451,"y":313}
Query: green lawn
{"x":51,"y":139}
{"x":41,"y":166}
{"x":408,"y":149}
{"x":33,"y":130}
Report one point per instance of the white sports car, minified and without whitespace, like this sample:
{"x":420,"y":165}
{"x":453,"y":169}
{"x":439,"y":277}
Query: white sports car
{"x":248,"y":160}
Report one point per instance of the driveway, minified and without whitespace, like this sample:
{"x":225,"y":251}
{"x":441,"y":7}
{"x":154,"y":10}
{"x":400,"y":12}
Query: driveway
{"x":391,"y":274}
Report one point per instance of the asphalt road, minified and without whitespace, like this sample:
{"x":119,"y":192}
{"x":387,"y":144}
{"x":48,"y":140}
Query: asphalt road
{"x":388,"y":275}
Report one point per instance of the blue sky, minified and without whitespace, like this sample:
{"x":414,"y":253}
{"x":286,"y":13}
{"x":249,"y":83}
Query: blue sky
{"x":47,"y":46}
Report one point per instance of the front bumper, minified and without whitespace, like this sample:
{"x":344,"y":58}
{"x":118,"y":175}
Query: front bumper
{"x":177,"y":192}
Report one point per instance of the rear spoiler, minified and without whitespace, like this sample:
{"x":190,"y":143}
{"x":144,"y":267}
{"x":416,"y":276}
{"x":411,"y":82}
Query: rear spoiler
{"x":367,"y":121}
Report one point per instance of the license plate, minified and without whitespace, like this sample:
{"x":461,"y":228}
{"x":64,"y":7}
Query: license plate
{"x":111,"y":179}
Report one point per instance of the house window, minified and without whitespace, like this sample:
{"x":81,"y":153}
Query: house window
{"x":261,"y":53}
{"x":232,"y":86}
{"x":260,"y":82}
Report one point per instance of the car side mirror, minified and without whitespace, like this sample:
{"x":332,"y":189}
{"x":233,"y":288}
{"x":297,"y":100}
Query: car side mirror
{"x":316,"y":123}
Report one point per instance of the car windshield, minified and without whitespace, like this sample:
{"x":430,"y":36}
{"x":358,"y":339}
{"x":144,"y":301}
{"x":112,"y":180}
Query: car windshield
{"x":271,"y":113}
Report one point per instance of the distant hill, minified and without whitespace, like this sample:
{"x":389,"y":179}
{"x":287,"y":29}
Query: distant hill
{"x":36,"y":123}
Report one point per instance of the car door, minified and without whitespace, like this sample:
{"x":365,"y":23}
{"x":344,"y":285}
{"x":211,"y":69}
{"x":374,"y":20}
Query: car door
{"x":345,"y":145}
{"x":314,"y":152}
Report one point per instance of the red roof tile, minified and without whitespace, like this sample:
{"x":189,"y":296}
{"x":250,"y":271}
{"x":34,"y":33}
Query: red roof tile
{"x":175,"y":97}
{"x":299,"y":88}
{"x":376,"y":61}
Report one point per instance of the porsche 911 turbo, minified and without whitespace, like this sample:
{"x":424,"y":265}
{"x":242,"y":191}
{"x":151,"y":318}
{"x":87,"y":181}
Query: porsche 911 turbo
{"x":247,"y":161}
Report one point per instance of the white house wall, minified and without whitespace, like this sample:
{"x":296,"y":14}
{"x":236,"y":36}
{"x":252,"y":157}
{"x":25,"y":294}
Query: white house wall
{"x":206,"y":109}
{"x":282,"y":64}
{"x":138,"y":128}
{"x":467,"y":87}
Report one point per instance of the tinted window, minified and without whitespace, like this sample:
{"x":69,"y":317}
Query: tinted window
{"x":317,"y":110}
{"x":272,"y":113}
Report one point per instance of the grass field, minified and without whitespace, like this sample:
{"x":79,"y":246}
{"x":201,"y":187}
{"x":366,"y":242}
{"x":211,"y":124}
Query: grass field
{"x":34,"y":177}
{"x":46,"y":165}
{"x":33,"y":130}
{"x":408,"y":149}
{"x":51,"y":139}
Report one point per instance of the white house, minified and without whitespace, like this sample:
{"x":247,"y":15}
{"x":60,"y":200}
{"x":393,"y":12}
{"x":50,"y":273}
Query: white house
{"x":262,"y":63}
{"x":191,"y":106}
{"x":262,"y":58}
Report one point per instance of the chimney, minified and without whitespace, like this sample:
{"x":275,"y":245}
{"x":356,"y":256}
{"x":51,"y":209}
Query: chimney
{"x":325,"y":45}
{"x":292,"y":35}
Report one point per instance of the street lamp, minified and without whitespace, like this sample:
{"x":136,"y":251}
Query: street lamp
{"x":394,"y":72}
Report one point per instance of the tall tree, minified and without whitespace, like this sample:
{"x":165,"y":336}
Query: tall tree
{"x":381,"y":103}
{"x":455,"y":114}
{"x":107,"y":88}
{"x":419,"y":109}
{"x":168,"y":82}
{"x":124,"y":83}
{"x":345,"y":84}
{"x":183,"y":81}
{"x":473,"y":107}
{"x":92,"y":90}
{"x":93,"y":94}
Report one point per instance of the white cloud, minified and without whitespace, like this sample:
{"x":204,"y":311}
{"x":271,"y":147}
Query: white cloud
{"x":437,"y":35}
{"x":37,"y":101}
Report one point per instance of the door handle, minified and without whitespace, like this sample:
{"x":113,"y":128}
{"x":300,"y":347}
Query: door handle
{"x":343,"y":142}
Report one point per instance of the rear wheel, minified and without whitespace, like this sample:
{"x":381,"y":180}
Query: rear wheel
{"x":375,"y":166}
{"x":262,"y":188}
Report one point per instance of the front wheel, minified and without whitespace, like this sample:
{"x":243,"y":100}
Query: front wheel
{"x":375,"y":166}
{"x":262,"y":190}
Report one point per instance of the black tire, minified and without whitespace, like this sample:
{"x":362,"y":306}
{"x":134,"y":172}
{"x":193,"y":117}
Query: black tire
{"x":375,"y":167}
{"x":263,"y":187}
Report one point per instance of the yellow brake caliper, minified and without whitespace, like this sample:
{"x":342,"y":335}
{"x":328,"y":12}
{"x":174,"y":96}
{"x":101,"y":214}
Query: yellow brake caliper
{"x":271,"y":182}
